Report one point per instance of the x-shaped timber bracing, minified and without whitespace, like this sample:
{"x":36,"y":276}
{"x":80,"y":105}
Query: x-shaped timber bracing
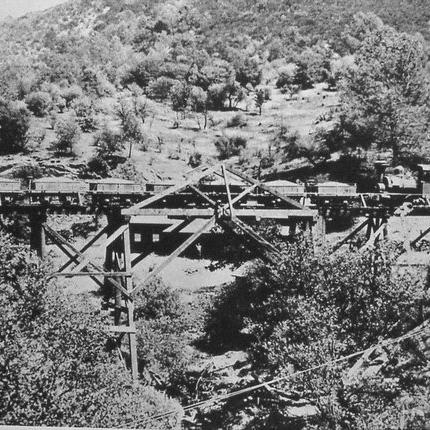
{"x":118,"y":275}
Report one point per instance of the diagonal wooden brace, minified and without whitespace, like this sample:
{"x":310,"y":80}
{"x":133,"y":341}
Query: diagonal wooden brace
{"x":207,"y":226}
{"x":112,"y":238}
{"x":90,"y":243}
{"x":60,"y":240}
{"x":270,"y":190}
{"x":172,"y":190}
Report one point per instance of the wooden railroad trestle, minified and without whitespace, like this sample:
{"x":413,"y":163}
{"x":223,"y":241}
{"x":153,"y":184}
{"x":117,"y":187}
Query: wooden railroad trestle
{"x":122,"y":255}
{"x":114,"y":277}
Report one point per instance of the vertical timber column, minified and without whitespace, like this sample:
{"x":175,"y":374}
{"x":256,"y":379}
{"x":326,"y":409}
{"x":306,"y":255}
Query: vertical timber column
{"x":370,"y":227}
{"x":114,"y":221}
{"x":37,"y":233}
{"x":130,"y":305}
{"x":319,"y":231}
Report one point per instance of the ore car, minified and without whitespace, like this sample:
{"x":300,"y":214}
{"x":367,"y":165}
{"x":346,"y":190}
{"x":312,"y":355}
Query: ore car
{"x":61,"y":185}
{"x":158,"y":187}
{"x":287,"y":188}
{"x":10,"y":186}
{"x":114,"y":186}
{"x":336,"y":189}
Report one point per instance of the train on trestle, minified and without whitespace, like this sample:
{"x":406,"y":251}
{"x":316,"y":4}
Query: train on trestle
{"x":395,"y":185}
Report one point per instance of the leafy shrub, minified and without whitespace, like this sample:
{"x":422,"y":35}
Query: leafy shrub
{"x":159,"y":89}
{"x":128,"y":170}
{"x":98,"y":165}
{"x":162,"y":349}
{"x":237,"y":120}
{"x":195,"y":159}
{"x":157,"y":300}
{"x":248,"y":71}
{"x":67,"y":133}
{"x":35,"y":137}
{"x":39,"y":103}
{"x":260,"y":99}
{"x":161,"y":326}
{"x":217,"y":96}
{"x":85,"y":113}
{"x":287,"y":142}
{"x":312,"y":308}
{"x":179,"y":96}
{"x":55,"y":368}
{"x":230,"y":146}
{"x":27,"y":172}
{"x":286,"y":77}
{"x":14,"y":126}
{"x":108,"y":142}
{"x":71,"y":93}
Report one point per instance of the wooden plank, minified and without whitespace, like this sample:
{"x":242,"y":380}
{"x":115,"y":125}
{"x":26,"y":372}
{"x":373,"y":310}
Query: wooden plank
{"x":172,"y":190}
{"x":110,"y":239}
{"x":227,"y":187}
{"x":244,"y":193}
{"x":350,"y":235}
{"x":269,"y":254}
{"x":80,"y":274}
{"x":208,"y":225}
{"x":420,"y":236}
{"x":202,"y":195}
{"x":286,"y":199}
{"x":374,"y":236}
{"x":130,"y":308}
{"x":121,"y":329}
{"x":175,"y":226}
{"x":71,"y":256}
{"x":209,"y":212}
{"x":60,"y":239}
{"x":87,"y":245}
{"x":248,"y":230}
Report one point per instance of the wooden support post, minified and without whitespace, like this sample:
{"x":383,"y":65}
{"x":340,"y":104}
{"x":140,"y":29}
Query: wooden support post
{"x":319,"y":231}
{"x":370,"y":228}
{"x":37,"y":234}
{"x":130,"y":307}
{"x":293,"y":228}
{"x":114,"y":222}
{"x":227,"y":187}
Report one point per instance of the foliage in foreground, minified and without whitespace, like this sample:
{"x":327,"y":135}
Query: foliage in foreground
{"x":55,"y":368}
{"x":311,"y":309}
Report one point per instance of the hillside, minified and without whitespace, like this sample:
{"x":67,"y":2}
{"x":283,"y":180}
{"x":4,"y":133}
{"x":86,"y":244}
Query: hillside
{"x":104,"y":46}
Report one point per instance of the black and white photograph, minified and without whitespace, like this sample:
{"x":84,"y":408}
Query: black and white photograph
{"x":215,"y":214}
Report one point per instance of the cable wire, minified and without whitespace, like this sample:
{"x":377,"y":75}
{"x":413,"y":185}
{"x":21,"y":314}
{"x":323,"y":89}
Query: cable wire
{"x":413,"y":333}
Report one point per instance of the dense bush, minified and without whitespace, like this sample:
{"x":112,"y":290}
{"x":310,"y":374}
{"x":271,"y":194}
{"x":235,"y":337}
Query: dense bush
{"x":85,"y":113}
{"x":108,"y":142}
{"x":237,"y":120}
{"x":162,"y":338}
{"x":229,"y":146}
{"x":54,"y":367}
{"x":97,"y":165}
{"x":312,"y":308}
{"x":159,"y":89}
{"x":67,"y":132}
{"x":157,"y":300}
{"x":14,"y":126}
{"x":69,"y":94}
{"x":39,"y":103}
{"x":389,"y":67}
{"x":195,"y":159}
